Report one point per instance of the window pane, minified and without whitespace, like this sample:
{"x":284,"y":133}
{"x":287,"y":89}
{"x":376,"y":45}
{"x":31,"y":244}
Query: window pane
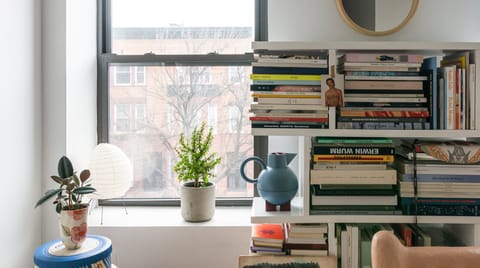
{"x":146,"y":122}
{"x":182,"y":26}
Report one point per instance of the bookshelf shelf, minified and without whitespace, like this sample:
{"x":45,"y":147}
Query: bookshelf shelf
{"x":259,"y":215}
{"x":431,"y":134}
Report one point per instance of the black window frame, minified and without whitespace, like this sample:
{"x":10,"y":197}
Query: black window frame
{"x":105,"y":57}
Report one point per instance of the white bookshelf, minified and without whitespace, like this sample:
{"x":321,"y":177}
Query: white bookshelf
{"x":467,"y":227}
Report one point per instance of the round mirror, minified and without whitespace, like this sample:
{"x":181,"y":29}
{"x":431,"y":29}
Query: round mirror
{"x":377,"y":17}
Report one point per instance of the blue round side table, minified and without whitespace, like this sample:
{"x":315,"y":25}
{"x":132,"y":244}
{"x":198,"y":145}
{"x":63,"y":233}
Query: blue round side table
{"x":96,"y":251}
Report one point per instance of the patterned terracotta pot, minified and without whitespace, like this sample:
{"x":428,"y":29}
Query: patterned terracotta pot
{"x":73,"y":227}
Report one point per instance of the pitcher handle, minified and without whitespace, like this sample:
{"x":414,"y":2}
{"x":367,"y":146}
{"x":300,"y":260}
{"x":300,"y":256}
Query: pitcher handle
{"x":242,"y":168}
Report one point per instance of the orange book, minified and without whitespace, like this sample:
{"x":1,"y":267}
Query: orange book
{"x":266,"y":232}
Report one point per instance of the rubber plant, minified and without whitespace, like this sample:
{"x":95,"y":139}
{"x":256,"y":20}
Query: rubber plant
{"x":68,"y":195}
{"x":195,"y":161}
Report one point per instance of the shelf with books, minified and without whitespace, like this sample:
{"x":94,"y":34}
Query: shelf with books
{"x":302,"y":211}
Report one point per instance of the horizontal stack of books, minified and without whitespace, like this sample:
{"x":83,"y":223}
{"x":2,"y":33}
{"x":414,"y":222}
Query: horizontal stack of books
{"x":446,"y":183}
{"x":307,"y":239}
{"x":353,"y":176}
{"x":383,"y":91}
{"x":286,"y":91}
{"x":267,"y":239}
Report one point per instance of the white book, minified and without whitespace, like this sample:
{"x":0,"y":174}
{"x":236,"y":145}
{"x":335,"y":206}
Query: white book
{"x":355,"y":200}
{"x":388,"y":176}
{"x":308,"y":252}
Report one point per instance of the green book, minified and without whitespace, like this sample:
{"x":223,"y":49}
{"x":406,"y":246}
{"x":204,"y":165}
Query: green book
{"x":365,"y":246}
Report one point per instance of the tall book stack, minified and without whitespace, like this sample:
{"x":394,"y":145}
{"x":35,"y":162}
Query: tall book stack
{"x":456,"y":86}
{"x":353,"y":175}
{"x":440,"y":178}
{"x":383,"y":91}
{"x":307,"y":239}
{"x":267,"y":238}
{"x":286,"y":91}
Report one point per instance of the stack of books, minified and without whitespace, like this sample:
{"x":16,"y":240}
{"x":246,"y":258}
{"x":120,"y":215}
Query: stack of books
{"x":286,"y":91}
{"x":353,"y":175}
{"x":383,"y":91}
{"x":267,"y":239}
{"x":307,"y":239}
{"x":447,"y":183}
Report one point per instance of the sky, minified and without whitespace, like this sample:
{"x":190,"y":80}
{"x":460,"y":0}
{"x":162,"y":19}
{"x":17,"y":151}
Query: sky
{"x":161,"y":13}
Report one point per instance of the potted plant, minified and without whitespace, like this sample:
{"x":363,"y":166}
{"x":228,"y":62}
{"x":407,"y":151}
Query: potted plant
{"x":194,"y":170}
{"x":68,"y":202}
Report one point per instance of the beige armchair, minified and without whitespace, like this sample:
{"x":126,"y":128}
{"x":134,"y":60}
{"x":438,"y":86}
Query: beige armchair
{"x":388,"y":252}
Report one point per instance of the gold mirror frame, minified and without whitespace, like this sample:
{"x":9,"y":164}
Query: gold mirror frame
{"x":363,"y":30}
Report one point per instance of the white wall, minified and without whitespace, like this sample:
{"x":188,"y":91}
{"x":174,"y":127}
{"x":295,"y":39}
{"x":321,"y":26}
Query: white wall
{"x":20,"y":135}
{"x":69,"y":114}
{"x":313,"y":20}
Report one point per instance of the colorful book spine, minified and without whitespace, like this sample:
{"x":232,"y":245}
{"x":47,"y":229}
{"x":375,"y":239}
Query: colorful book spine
{"x":353,"y":150}
{"x":383,"y":113}
{"x":353,"y":158}
{"x":440,"y":177}
{"x":287,"y":82}
{"x":291,"y":125}
{"x":383,"y":85}
{"x":289,"y":119}
{"x":285,"y":88}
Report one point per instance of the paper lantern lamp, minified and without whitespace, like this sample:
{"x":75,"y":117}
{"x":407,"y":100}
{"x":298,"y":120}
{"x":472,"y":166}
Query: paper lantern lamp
{"x":112,"y":173}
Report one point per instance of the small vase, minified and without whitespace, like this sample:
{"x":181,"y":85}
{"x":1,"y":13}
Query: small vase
{"x":197,"y":204}
{"x":73,"y":227}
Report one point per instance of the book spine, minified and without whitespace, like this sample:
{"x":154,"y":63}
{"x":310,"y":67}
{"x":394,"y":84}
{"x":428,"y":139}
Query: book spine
{"x":441,"y":210}
{"x":379,"y":68}
{"x":288,"y":88}
{"x":302,"y":125}
{"x":384,"y":104}
{"x":383,"y":85}
{"x":298,"y":95}
{"x":287,"y":82}
{"x":317,"y":101}
{"x":288,"y":70}
{"x":377,"y":57}
{"x":383,"y":119}
{"x":291,"y":107}
{"x":285,"y":77}
{"x":380,"y":73}
{"x":440,"y":177}
{"x":380,"y":113}
{"x":353,"y":158}
{"x":380,"y":64}
{"x":289,"y":119}
{"x":388,"y":99}
{"x":390,"y":77}
{"x":353,"y":150}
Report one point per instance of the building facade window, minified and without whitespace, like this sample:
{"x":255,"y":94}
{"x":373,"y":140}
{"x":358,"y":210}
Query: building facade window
{"x":179,"y":74}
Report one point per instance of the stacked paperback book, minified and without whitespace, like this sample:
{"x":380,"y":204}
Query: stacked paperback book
{"x":307,"y":239}
{"x":267,"y":239}
{"x":383,"y":91}
{"x":440,"y":178}
{"x":353,"y":175}
{"x":286,"y":91}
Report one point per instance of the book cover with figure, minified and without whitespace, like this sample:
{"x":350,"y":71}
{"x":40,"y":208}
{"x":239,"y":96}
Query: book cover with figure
{"x":332,"y":90}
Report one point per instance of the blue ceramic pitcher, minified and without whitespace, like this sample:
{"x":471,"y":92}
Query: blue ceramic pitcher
{"x":276,"y":183}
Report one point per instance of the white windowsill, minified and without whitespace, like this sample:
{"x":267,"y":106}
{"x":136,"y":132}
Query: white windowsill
{"x":146,"y":216}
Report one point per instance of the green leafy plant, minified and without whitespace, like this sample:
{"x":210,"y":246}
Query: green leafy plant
{"x":71,"y":187}
{"x":195,"y":162}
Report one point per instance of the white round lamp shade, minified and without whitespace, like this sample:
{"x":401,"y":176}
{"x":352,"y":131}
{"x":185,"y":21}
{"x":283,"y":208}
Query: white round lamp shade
{"x":111,"y":171}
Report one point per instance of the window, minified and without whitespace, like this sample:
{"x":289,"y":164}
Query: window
{"x":122,"y":75}
{"x":122,"y":117}
{"x":181,"y":66}
{"x":140,"y":75}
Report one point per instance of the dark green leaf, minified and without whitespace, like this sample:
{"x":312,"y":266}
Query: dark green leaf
{"x":84,"y":190}
{"x":58,"y":207}
{"x":65,"y":168}
{"x":76,"y":180}
{"x":49,"y":194}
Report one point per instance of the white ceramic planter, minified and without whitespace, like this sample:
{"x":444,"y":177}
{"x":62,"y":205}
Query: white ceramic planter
{"x":197,"y":203}
{"x":73,"y":227}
